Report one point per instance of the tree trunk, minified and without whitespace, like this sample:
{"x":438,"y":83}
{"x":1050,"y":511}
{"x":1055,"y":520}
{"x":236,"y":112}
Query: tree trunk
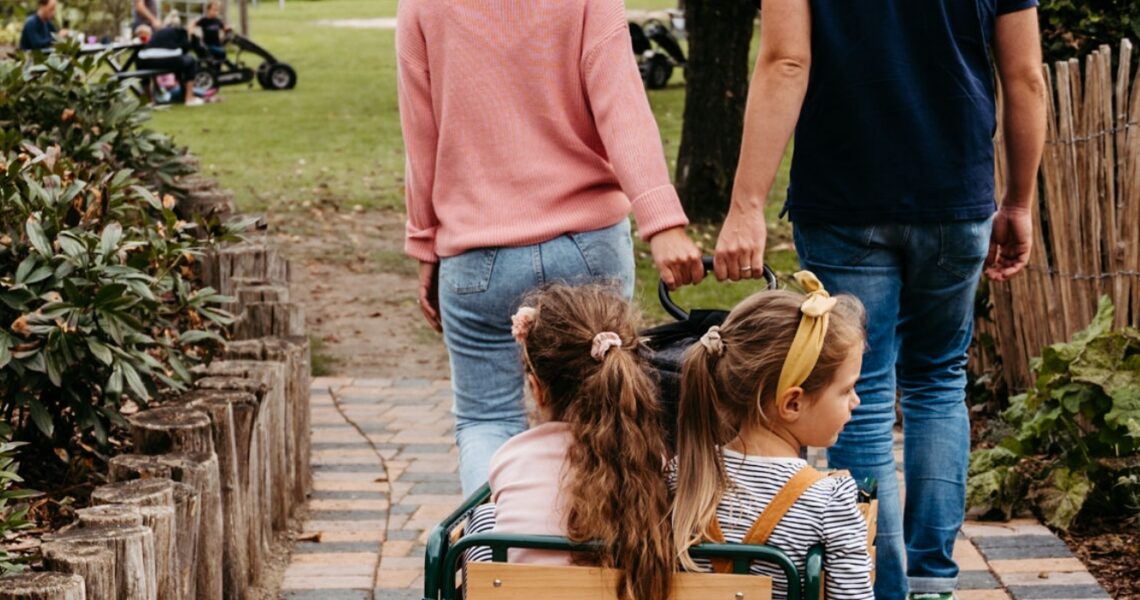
{"x":716,"y":89}
{"x":42,"y":586}
{"x":220,"y":406}
{"x":171,"y":429}
{"x":155,"y":499}
{"x":109,"y":515}
{"x":95,"y":564}
{"x":133,"y":546}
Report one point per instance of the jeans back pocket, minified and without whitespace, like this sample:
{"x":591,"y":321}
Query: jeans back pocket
{"x":468,"y":273}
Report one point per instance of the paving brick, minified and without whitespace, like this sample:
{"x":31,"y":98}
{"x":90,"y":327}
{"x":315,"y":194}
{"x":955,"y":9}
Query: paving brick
{"x":334,"y":558}
{"x":335,"y":547}
{"x":348,"y":582}
{"x":1019,"y":541}
{"x":326,"y":595}
{"x":414,"y":593}
{"x":324,"y":569}
{"x":982,"y":595}
{"x":1036,"y":565}
{"x":401,"y":563}
{"x":417,"y":476}
{"x":319,"y":504}
{"x":401,"y":535}
{"x":347,"y":485}
{"x":1044,"y":592}
{"x":360,"y":525}
{"x":1019,"y":527}
{"x":396,"y":578}
{"x":355,"y":444}
{"x":349,"y":495}
{"x":436,"y":487}
{"x":1025,"y":552}
{"x":348,"y":515}
{"x":1051,"y":578}
{"x":364,"y":469}
{"x":977,"y":580}
{"x":411,"y":383}
{"x":372,"y":383}
{"x":398,"y":548}
{"x":374,"y":536}
{"x":968,"y":557}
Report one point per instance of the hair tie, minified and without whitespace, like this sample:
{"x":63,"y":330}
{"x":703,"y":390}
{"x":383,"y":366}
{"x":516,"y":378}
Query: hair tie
{"x":602,"y":344}
{"x":806,"y":346}
{"x":522,"y":322}
{"x":712,"y":341}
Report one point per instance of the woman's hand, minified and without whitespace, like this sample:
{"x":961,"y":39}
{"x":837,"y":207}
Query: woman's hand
{"x":740,"y":246}
{"x":429,"y":294}
{"x":677,"y":258}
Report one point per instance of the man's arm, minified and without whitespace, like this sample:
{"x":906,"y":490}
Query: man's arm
{"x":1017,"y":53}
{"x":779,"y":83}
{"x":37,"y":34}
{"x":144,"y":10}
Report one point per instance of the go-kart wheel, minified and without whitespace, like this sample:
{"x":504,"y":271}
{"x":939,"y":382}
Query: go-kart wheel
{"x":206,"y":79}
{"x":660,"y":70}
{"x":281,"y":77}
{"x":262,"y":75}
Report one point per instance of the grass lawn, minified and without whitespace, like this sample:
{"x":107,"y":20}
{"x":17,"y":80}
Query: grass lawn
{"x":335,"y":139}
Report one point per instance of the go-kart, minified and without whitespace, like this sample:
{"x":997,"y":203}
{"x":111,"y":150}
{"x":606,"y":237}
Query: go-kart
{"x":215,"y":71}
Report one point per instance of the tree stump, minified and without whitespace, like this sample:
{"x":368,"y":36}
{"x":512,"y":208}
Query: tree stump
{"x":294,"y":353}
{"x":187,"y":524}
{"x":199,"y":471}
{"x":133,"y":548}
{"x":219,"y":405}
{"x":251,"y":437}
{"x":271,"y":375}
{"x":42,"y":586}
{"x":270,"y":319}
{"x":155,"y":499}
{"x":171,"y":429}
{"x":249,"y":260}
{"x":95,"y":564}
{"x":109,"y":515}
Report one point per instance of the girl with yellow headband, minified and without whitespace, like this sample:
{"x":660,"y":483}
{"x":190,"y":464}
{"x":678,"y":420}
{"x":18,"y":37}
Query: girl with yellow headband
{"x":777,"y":376}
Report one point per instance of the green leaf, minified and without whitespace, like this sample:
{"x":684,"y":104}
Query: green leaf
{"x":196,"y":336}
{"x":109,"y":241}
{"x":37,"y":236}
{"x":99,"y":350}
{"x":134,"y":381}
{"x":41,"y":417}
{"x":1061,"y":497}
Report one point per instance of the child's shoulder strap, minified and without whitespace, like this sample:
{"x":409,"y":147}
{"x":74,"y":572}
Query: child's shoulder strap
{"x":771,"y":516}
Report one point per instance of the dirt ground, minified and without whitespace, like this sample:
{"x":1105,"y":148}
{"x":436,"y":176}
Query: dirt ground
{"x":359,"y":293}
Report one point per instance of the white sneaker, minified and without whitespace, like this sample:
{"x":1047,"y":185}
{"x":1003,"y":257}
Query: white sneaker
{"x":195,"y":102}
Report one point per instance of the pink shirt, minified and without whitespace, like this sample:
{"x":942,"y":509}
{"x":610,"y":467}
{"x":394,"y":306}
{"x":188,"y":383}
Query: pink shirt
{"x":524,"y":120}
{"x":526,"y":482}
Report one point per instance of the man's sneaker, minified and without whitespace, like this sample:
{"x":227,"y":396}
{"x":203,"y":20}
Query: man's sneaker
{"x":932,"y":596}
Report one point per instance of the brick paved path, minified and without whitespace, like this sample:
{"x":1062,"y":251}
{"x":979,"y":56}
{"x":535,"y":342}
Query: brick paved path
{"x":385,"y":472}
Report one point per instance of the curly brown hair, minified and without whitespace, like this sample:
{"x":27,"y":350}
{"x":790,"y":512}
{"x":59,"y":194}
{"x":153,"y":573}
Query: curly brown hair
{"x":615,"y":490}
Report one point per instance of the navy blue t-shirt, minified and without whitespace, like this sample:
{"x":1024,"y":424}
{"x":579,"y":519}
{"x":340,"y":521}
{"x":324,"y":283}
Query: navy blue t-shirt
{"x":37,"y":33}
{"x":898,"y":121}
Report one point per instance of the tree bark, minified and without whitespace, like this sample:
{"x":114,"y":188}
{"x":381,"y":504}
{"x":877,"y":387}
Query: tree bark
{"x":155,"y":499}
{"x":42,"y":586}
{"x":109,"y":515}
{"x":716,"y":90}
{"x":171,"y":429}
{"x":133,"y":546}
{"x":95,"y":564}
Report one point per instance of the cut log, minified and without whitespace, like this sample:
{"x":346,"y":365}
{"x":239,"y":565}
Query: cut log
{"x":271,"y":375}
{"x":155,"y":499}
{"x":249,"y":291}
{"x":251,"y":437}
{"x":234,"y":545}
{"x":42,"y":586}
{"x":199,"y":471}
{"x":250,"y":260}
{"x":95,"y":564}
{"x":270,"y":319}
{"x":133,"y":547}
{"x":187,"y":524}
{"x":294,"y":353}
{"x":171,"y":429}
{"x":109,"y":515}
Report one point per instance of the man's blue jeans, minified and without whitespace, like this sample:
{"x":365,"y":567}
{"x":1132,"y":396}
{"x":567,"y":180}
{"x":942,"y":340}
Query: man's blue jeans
{"x":478,"y":292}
{"x":918,"y":284}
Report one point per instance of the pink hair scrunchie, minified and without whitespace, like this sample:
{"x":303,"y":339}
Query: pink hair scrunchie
{"x":602,"y":344}
{"x":521,"y":323}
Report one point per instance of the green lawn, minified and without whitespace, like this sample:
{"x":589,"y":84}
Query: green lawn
{"x":335,"y":139}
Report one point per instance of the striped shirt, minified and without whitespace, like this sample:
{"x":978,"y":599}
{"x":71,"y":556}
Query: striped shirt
{"x":825,"y":514}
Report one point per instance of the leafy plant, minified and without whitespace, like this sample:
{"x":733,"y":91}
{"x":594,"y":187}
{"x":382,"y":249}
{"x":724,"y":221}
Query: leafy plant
{"x":1072,"y":28}
{"x":1077,"y":440}
{"x":13,"y":515}
{"x":99,"y":297}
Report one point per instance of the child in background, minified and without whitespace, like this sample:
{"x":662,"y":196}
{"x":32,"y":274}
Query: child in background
{"x":593,"y":470}
{"x":777,"y":376}
{"x":212,"y":30}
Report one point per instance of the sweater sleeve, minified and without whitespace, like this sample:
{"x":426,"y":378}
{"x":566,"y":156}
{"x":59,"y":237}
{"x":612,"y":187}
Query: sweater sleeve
{"x":417,"y":118}
{"x":846,"y":562}
{"x":624,"y":120}
{"x":37,"y":34}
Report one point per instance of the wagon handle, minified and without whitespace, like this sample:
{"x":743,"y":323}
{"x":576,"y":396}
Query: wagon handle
{"x":679,"y":313}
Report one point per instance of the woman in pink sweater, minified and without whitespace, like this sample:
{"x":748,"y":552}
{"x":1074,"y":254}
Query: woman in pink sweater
{"x":529,"y":140}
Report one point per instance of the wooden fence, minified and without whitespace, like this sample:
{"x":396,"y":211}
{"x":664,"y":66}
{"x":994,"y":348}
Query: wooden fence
{"x":1087,"y":224}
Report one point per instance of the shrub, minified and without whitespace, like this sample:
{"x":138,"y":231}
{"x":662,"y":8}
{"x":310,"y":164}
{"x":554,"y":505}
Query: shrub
{"x":99,"y":298}
{"x":1077,"y":432}
{"x":13,"y":515}
{"x":1072,"y":28}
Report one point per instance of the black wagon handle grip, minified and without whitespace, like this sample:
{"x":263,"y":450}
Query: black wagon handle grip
{"x":679,"y":313}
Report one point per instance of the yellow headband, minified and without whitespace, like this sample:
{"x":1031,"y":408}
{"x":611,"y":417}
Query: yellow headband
{"x":808,"y":342}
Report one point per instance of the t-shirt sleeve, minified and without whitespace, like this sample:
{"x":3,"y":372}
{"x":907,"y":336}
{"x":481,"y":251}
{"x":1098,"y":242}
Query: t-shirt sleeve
{"x":1008,"y":6}
{"x":846,"y":562}
{"x":482,"y":521}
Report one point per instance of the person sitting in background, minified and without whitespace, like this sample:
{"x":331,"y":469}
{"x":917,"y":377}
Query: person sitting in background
{"x":168,"y":49}
{"x":212,"y":30}
{"x":39,"y":30}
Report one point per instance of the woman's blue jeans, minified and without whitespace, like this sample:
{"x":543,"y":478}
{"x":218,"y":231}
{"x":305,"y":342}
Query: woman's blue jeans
{"x":478,"y":292}
{"x":918,"y":284}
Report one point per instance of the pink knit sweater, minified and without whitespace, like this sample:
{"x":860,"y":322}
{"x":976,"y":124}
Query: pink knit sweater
{"x":524,"y":120}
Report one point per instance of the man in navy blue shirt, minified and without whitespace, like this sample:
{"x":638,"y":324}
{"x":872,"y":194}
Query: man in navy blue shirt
{"x":892,"y":199}
{"x":39,"y":31}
